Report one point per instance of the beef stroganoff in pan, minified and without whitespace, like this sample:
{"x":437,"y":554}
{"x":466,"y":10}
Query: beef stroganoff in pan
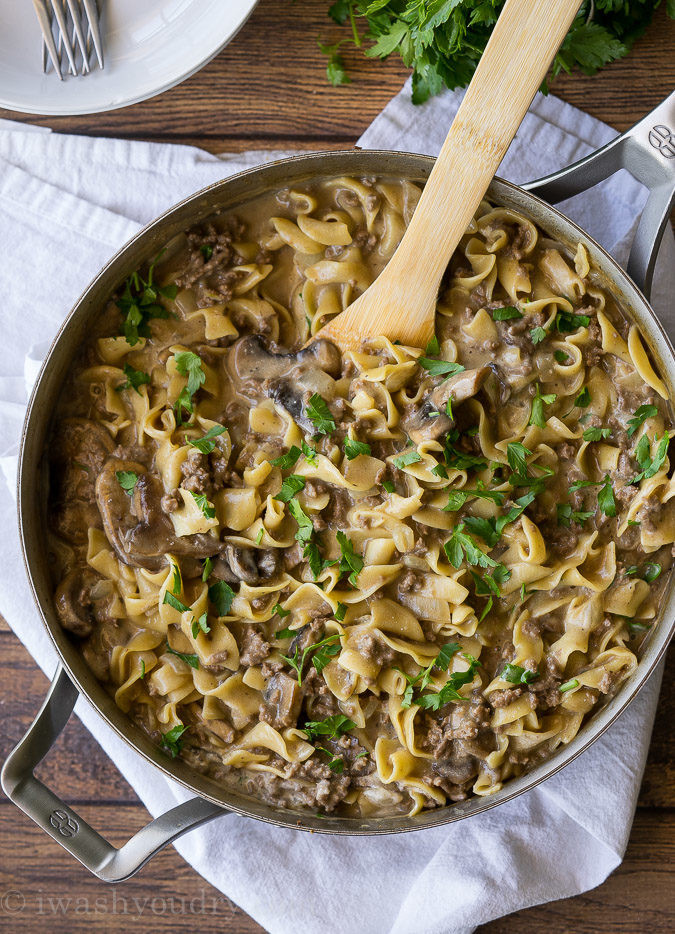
{"x":369,"y":582}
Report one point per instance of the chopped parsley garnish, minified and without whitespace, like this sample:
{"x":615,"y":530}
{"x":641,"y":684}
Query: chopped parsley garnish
{"x":638,"y":627}
{"x":450,"y":690}
{"x":323,"y":652}
{"x":583,"y":400}
{"x":606,"y":501}
{"x":351,"y":564}
{"x":567,"y":322}
{"x":457,"y":459}
{"x":175,"y":602}
{"x":516,"y":454}
{"x":538,"y":403}
{"x":506,"y":313}
{"x":127,"y":479}
{"x":440,"y":367}
{"x":309,"y":452}
{"x":335,"y":68}
{"x":198,"y":624}
{"x":207,"y":509}
{"x":190,"y":365}
{"x":207,"y":251}
{"x":259,"y":536}
{"x":484,"y":528}
{"x":560,"y":356}
{"x":289,"y":459}
{"x":433,"y":347}
{"x":537,"y":335}
{"x":280,"y":611}
{"x":404,"y":460}
{"x":176,"y":581}
{"x":320,"y":415}
{"x":171,"y":741}
{"x":388,"y":486}
{"x":134,"y":379}
{"x":305,"y":527}
{"x":221,"y":596}
{"x":448,"y":408}
{"x":457,"y":498}
{"x":207,"y":442}
{"x":286,"y":633}
{"x":191,"y":660}
{"x":139,"y":304}
{"x":515,"y":674}
{"x":333,"y":727}
{"x":567,"y":515}
{"x":642,"y":413}
{"x":439,"y":471}
{"x":596,"y":434}
{"x":142,"y":669}
{"x":290,"y":487}
{"x":461,"y":545}
{"x":335,"y":764}
{"x":423,"y":677}
{"x":569,"y":685}
{"x":340,"y":612}
{"x":206,"y":571}
{"x":650,"y":465}
{"x":580,"y":484}
{"x":355,"y":448}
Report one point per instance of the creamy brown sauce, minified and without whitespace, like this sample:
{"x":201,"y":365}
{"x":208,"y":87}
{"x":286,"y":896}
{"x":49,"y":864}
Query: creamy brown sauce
{"x":441,"y":562}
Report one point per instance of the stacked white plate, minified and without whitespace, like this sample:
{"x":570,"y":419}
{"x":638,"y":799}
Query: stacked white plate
{"x":149,"y":46}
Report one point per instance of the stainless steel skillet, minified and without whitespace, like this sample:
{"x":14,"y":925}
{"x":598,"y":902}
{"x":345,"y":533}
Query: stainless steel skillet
{"x":648,"y":151}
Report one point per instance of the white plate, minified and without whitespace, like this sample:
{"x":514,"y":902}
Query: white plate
{"x":149,"y":46}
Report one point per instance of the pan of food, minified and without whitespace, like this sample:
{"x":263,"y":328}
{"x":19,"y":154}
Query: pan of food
{"x":355,"y":592}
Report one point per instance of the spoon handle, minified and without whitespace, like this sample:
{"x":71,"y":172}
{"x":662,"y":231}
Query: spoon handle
{"x":511,"y":69}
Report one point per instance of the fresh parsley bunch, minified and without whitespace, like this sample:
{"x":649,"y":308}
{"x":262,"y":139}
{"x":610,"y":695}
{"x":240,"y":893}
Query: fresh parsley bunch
{"x":442,"y":40}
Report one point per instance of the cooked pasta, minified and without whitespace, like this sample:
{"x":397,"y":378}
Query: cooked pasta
{"x":368,"y":582}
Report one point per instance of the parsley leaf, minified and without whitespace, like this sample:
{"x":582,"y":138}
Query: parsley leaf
{"x":134,"y":379}
{"x":332,"y":727}
{"x":320,"y":415}
{"x":650,"y":465}
{"x":642,"y":413}
{"x":198,"y":624}
{"x":354,"y":448}
{"x":433,"y":347}
{"x":450,"y":690}
{"x":569,"y":685}
{"x":171,"y":740}
{"x":461,"y":545}
{"x":560,"y":356}
{"x":207,"y":251}
{"x":290,"y":487}
{"x":580,"y":484}
{"x":457,"y":498}
{"x":440,"y":367}
{"x":190,"y":365}
{"x":175,"y":602}
{"x":538,"y":403}
{"x":207,"y":442}
{"x":325,"y":649}
{"x":206,"y":571}
{"x":506,"y":313}
{"x":221,"y":596}
{"x":388,"y":486}
{"x":567,"y":322}
{"x":596,"y":434}
{"x":335,"y":69}
{"x":127,"y":479}
{"x":305,"y":527}
{"x":340,"y":612}
{"x":207,"y":509}
{"x":651,"y":572}
{"x":350,"y":564}
{"x":516,"y":454}
{"x":280,"y":611}
{"x":517,"y":675}
{"x":404,"y":460}
{"x":139,"y":304}
{"x":583,"y":400}
{"x":287,"y":460}
{"x":606,"y":501}
{"x":567,"y":515}
{"x":537,"y":335}
{"x":191,"y":660}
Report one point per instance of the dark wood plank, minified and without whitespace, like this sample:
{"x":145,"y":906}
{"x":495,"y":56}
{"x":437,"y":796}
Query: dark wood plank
{"x":268,"y":89}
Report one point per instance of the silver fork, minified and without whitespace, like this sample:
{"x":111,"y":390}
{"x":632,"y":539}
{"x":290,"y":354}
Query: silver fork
{"x":64,"y":24}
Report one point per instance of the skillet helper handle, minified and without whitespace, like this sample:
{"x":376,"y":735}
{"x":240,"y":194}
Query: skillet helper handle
{"x":647,"y":151}
{"x":65,"y":826}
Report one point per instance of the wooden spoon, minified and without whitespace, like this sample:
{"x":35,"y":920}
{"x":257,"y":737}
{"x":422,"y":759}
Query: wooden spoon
{"x":401,"y":303}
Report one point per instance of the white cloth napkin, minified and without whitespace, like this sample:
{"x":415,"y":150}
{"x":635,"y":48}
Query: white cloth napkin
{"x":66,"y":204}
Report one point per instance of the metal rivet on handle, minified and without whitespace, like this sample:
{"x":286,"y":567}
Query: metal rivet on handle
{"x":663,"y":139}
{"x":67,"y":826}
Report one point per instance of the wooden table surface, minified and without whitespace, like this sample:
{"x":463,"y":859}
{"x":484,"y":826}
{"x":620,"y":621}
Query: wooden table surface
{"x":267,"y":91}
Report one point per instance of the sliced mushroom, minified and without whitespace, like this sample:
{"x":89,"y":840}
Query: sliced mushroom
{"x":246,"y":564}
{"x":289,"y":379}
{"x":423,"y":424}
{"x":136,"y":525}
{"x":74,"y":603}
{"x":282,"y":698}
{"x":78,"y":449}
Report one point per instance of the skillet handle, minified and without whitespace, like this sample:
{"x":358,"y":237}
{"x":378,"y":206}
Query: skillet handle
{"x":65,"y":826}
{"x":647,"y":151}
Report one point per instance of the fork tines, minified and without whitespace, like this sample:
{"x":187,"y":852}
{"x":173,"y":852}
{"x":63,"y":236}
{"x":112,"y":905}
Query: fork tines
{"x":70,"y":31}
